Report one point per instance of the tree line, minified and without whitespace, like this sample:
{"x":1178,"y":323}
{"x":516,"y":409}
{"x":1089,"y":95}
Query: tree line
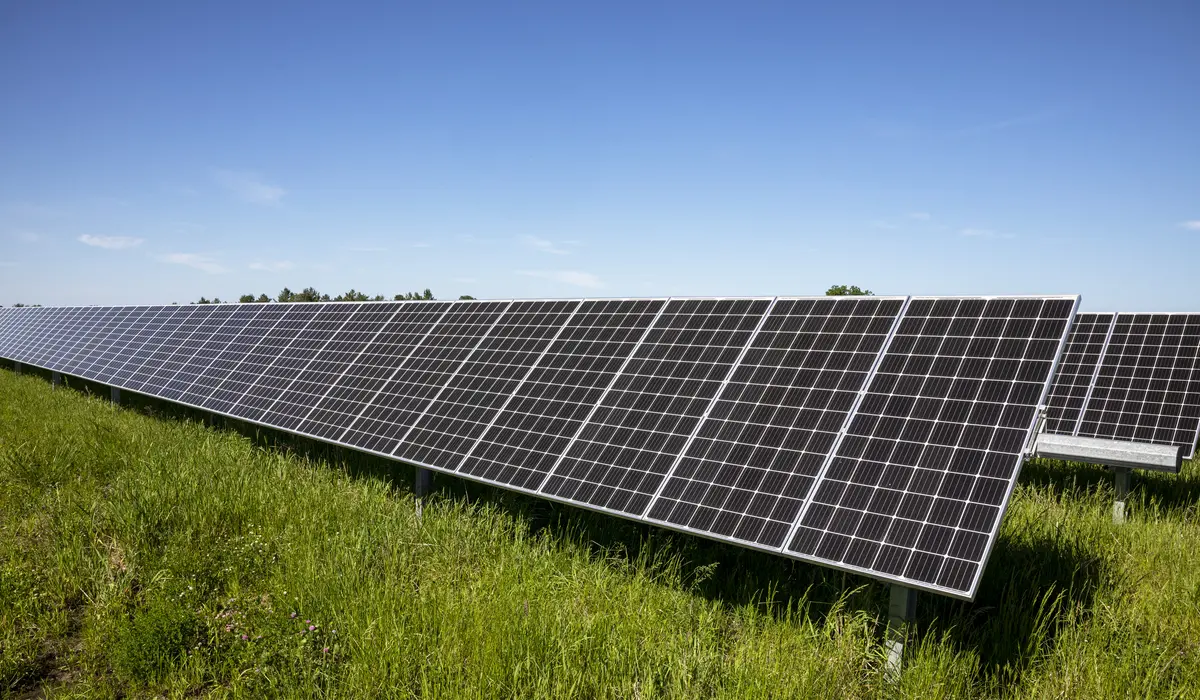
{"x":311,"y":294}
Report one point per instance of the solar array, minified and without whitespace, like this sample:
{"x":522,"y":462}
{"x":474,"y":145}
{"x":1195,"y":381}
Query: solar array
{"x":1129,"y":376}
{"x":880,"y":435}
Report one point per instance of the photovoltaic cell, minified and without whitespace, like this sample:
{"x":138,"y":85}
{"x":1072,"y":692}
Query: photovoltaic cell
{"x":44,"y":332}
{"x":468,"y":402}
{"x":86,"y":344}
{"x":419,"y":376}
{"x":756,"y":454}
{"x":916,"y":486}
{"x":1076,"y":370}
{"x":533,"y":429}
{"x":368,"y":372}
{"x":112,"y":349}
{"x":158,"y":329}
{"x":314,"y":381}
{"x":225,"y":347}
{"x":195,"y":322}
{"x":267,"y":386}
{"x":208,"y":336}
{"x":1148,"y":386}
{"x":253,"y":363}
{"x":55,"y":337}
{"x":624,"y":450}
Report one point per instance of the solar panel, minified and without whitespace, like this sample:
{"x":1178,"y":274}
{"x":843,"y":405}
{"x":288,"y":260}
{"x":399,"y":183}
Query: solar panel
{"x":38,"y":327}
{"x":360,"y":378}
{"x":916,"y":486}
{"x":534,"y":428}
{"x":311,"y":340}
{"x":756,"y":454}
{"x":206,"y":334}
{"x":100,"y":366}
{"x":51,"y":332}
{"x":625,"y":448}
{"x":173,"y":350}
{"x":85,"y":345}
{"x":150,"y":339}
{"x":283,"y":323}
{"x":1148,"y":385}
{"x":1076,"y":371}
{"x":237,"y":331}
{"x":467,"y":403}
{"x":419,"y":376}
{"x":61,"y":343}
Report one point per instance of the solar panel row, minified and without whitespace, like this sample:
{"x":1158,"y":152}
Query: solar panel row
{"x":878,"y":435}
{"x":1132,"y":377}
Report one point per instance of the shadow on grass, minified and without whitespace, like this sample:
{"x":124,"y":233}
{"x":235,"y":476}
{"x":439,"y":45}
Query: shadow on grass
{"x":1034,"y":585}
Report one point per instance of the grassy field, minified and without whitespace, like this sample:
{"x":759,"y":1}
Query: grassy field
{"x":145,"y":553}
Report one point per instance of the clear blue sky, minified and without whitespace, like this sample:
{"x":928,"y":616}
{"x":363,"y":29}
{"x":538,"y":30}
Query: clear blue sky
{"x":157,"y":152}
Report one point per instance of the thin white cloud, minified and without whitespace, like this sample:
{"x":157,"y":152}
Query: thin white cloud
{"x":1193,"y":225}
{"x":983,"y":233}
{"x":111,"y":242}
{"x":571,"y":277}
{"x":249,"y":187}
{"x":543,"y":245}
{"x":200,"y":262}
{"x":272,"y":266}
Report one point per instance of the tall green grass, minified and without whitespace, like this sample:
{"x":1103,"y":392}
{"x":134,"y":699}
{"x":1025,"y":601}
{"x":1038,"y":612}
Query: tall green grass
{"x":145,"y":555}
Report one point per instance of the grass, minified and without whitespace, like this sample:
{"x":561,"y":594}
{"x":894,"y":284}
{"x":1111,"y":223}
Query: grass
{"x":145,"y":553}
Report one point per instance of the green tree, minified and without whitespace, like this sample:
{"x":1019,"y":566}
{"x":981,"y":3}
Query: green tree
{"x":246,"y":299}
{"x":841,"y":290}
{"x":377,"y":297}
{"x":466,"y":297}
{"x":426,"y":295}
{"x":263,"y":299}
{"x":202,"y":301}
{"x":352,"y":295}
{"x":285,"y":295}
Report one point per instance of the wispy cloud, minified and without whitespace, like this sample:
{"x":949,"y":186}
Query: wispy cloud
{"x":571,"y":277}
{"x":200,"y":262}
{"x":249,"y":187}
{"x":1193,"y":225}
{"x":1009,"y":123}
{"x":111,"y":242}
{"x":272,"y":266}
{"x":983,"y":233}
{"x":543,"y":245}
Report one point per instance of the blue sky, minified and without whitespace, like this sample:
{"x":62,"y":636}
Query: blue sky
{"x":157,"y":152}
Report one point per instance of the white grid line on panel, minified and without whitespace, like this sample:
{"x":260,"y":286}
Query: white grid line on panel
{"x":744,"y":513}
{"x":353,"y":361}
{"x":666,"y":424}
{"x":837,"y":441}
{"x":144,"y":379}
{"x":395,"y":370}
{"x":233,"y":337}
{"x":77,"y":347}
{"x":67,"y":343}
{"x":182,"y":311}
{"x":1095,"y":371}
{"x":43,"y":321}
{"x":125,"y":325}
{"x":121,"y":357}
{"x":608,"y":388}
{"x":517,"y":388}
{"x":708,"y":409}
{"x":332,"y":336}
{"x":994,"y":534}
{"x":166,"y":381}
{"x":283,"y":351}
{"x":450,"y":378}
{"x":53,"y":332}
{"x":23,"y":322}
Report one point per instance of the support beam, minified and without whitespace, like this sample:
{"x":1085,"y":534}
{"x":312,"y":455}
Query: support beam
{"x":55,"y":379}
{"x":1111,"y":453}
{"x":902,"y":609}
{"x":114,"y":394}
{"x":1121,"y":489}
{"x":16,"y":367}
{"x":422,"y":488}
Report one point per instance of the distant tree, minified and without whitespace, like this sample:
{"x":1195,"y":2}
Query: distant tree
{"x":352,"y":295}
{"x":416,"y":296}
{"x":377,"y":297}
{"x":285,"y":295}
{"x":246,"y":299}
{"x":466,"y":297}
{"x":841,"y":290}
{"x":203,"y":301}
{"x":18,"y":305}
{"x":310,"y":294}
{"x":262,"y":299}
{"x":217,"y":300}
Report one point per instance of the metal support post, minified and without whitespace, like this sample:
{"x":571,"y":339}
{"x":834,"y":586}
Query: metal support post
{"x":17,"y":367}
{"x":422,"y":488}
{"x":114,"y":394}
{"x":902,"y":609}
{"x":55,"y":379}
{"x":1121,"y":487}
